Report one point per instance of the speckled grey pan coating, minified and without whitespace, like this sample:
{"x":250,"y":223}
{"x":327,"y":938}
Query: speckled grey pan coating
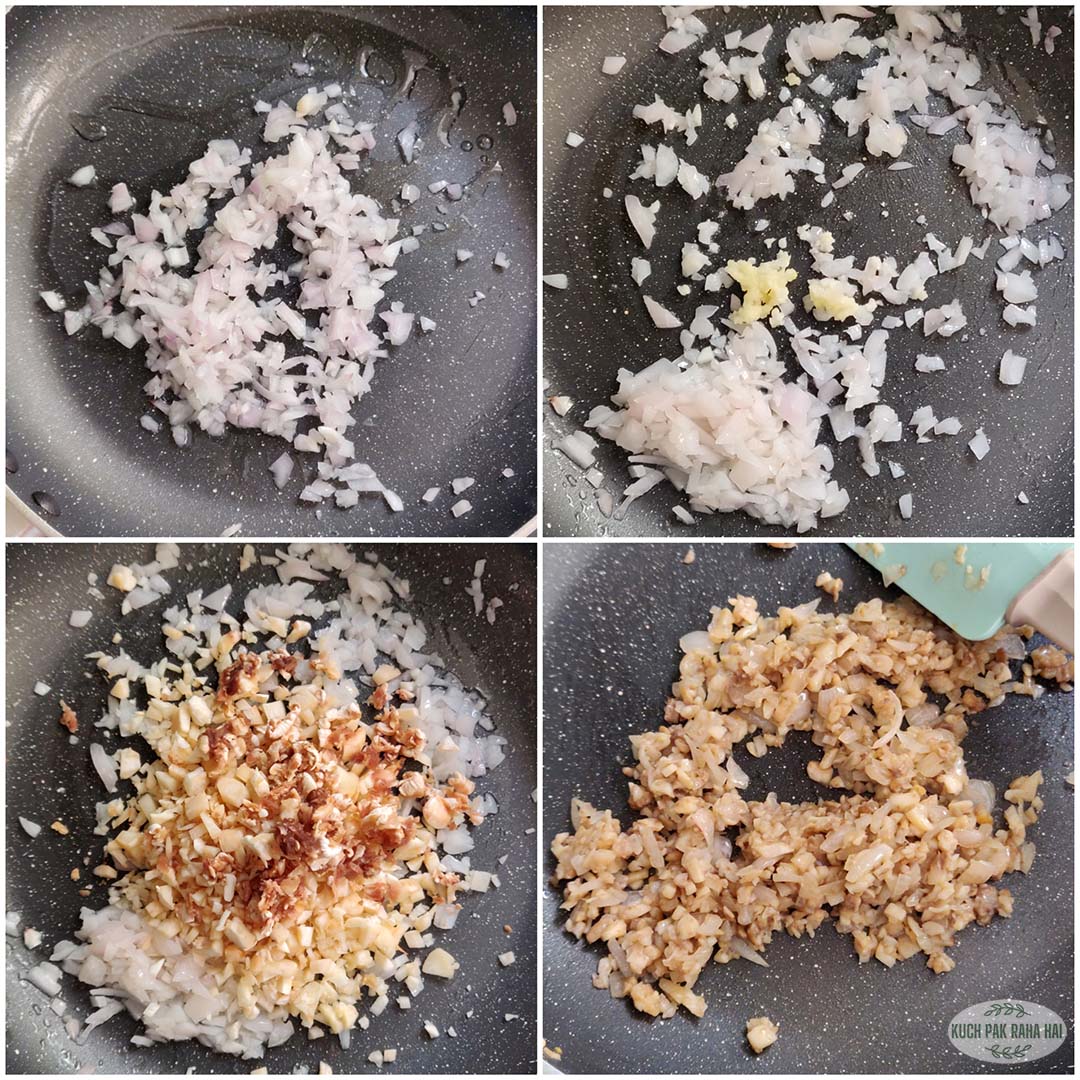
{"x":457,"y":402}
{"x":44,"y":583}
{"x":599,"y":324}
{"x":613,"y":616}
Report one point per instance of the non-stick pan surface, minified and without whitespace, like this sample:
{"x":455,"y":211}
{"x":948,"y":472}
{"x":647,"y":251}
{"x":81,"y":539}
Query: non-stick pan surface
{"x":162,"y":81}
{"x":599,"y":324}
{"x":613,"y":616}
{"x":47,"y":779}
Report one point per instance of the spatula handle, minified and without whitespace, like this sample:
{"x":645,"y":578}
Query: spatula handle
{"x":1048,"y":602}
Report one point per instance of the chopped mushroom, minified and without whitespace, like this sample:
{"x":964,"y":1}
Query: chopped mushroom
{"x":829,"y":584}
{"x":761,"y":1033}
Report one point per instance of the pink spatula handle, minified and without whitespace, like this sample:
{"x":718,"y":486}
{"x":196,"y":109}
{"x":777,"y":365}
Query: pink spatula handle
{"x":1048,"y":603}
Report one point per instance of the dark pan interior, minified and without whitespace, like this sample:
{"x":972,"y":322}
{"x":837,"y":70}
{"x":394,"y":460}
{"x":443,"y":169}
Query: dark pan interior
{"x":49,"y":779}
{"x":162,"y":81}
{"x":600,"y":324}
{"x":613,"y":616}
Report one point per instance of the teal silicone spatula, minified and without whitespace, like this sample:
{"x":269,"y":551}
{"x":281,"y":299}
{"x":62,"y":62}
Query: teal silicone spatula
{"x":975,"y":588}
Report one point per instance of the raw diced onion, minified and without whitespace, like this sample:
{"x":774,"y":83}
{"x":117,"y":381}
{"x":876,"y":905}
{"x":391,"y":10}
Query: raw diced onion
{"x":104,"y":765}
{"x":82,"y":177}
{"x":1011,"y":369}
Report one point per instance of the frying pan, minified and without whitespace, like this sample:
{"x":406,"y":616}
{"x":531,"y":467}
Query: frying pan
{"x":160,"y":82}
{"x":613,"y":615}
{"x":599,"y":324}
{"x":49,"y":779}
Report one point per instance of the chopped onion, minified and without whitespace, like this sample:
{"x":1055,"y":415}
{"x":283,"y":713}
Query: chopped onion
{"x":398,"y":326}
{"x":46,"y":977}
{"x":660,"y":315}
{"x":1011,"y":370}
{"x":742,"y":948}
{"x":282,"y":468}
{"x":981,"y":793}
{"x":847,"y":174}
{"x":756,"y":42}
{"x":929,"y":363}
{"x":446,"y":915}
{"x":120,"y":199}
{"x":739,"y":779}
{"x":440,"y":964}
{"x":1013,"y":646}
{"x":82,"y":177}
{"x":237,"y":213}
{"x":643,"y":218}
{"x":104,"y":765}
{"x":409,"y":141}
{"x":1017,"y":288}
{"x":103,"y":1015}
{"x":696,"y":641}
{"x":578,"y":447}
{"x":980,"y":445}
{"x":1015,"y":315}
{"x":31,"y":828}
